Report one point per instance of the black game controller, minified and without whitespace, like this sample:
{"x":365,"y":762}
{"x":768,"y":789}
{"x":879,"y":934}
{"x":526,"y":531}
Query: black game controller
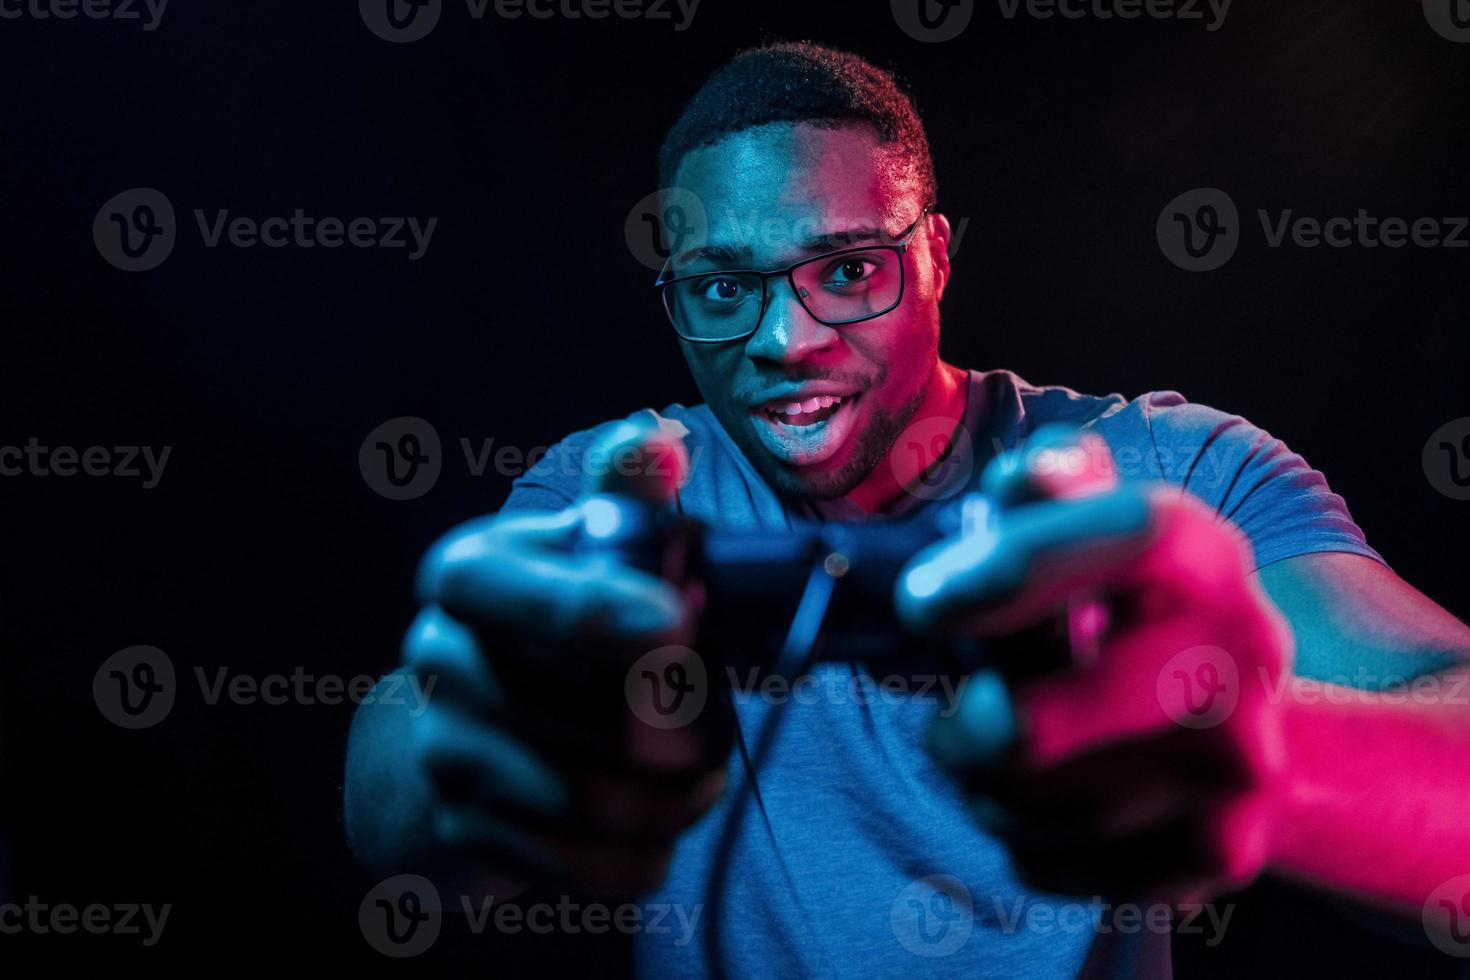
{"x":814,"y":590}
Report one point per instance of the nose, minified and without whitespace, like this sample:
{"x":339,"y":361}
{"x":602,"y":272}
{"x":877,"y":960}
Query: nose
{"x":788,"y":334}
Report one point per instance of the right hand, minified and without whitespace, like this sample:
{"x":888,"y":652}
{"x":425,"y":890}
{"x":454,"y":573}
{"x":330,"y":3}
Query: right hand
{"x":539,"y":763}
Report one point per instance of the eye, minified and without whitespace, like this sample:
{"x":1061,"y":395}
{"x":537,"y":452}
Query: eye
{"x":720,"y":290}
{"x":851,"y":270}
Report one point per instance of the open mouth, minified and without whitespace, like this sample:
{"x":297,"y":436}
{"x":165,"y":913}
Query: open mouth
{"x":818,"y":409}
{"x":803,"y":433}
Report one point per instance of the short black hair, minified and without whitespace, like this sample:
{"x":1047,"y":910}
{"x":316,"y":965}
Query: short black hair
{"x":800,"y":82}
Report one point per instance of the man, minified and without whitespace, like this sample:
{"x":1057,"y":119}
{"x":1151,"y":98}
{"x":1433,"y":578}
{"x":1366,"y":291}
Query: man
{"x":869,"y":826}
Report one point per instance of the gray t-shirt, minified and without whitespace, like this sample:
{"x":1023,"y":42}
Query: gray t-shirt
{"x":853,"y":856}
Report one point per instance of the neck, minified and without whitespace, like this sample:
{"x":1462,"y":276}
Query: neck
{"x":944,"y":400}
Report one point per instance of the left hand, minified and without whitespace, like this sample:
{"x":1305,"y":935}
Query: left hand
{"x":1150,"y":769}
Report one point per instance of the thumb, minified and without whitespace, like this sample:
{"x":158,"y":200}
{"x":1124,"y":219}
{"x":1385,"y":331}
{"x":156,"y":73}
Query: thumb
{"x":642,"y":457}
{"x":1055,"y":462}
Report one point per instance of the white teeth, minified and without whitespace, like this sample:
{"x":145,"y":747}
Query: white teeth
{"x":810,"y":405}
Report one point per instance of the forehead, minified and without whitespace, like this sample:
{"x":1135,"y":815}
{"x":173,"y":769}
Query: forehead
{"x":807,"y":178}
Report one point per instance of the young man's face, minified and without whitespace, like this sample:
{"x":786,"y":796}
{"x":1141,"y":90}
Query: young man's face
{"x":770,"y":195}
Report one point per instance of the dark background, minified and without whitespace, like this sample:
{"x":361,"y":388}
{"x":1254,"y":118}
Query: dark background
{"x":263,"y":549}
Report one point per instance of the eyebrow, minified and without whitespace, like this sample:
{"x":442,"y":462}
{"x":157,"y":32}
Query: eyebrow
{"x":816,"y":244}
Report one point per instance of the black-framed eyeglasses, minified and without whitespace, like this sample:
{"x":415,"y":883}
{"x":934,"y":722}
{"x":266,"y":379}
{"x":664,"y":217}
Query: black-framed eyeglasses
{"x":845,"y":286}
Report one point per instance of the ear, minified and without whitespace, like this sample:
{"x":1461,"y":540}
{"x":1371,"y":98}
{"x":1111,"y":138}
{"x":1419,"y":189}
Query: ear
{"x":938,"y":239}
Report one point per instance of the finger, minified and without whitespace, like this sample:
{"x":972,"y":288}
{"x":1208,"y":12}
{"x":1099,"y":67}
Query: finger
{"x":1156,"y":547}
{"x":441,"y":648}
{"x":482,"y":838}
{"x":497,"y":577}
{"x":529,"y":532}
{"x":468,"y":761}
{"x":1002,"y":581}
{"x":1125,"y":697}
{"x":1079,"y":801}
{"x":471,"y":762}
{"x":643,"y":811}
{"x":643,"y":457}
{"x":1154,"y":865}
{"x":1057,"y":461}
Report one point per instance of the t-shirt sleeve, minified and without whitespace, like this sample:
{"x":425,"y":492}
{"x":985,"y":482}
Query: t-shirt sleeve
{"x":1251,"y":479}
{"x":553,"y":483}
